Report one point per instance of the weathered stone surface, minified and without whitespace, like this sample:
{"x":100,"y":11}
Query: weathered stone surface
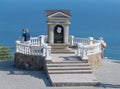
{"x":95,"y":60}
{"x":29,"y":62}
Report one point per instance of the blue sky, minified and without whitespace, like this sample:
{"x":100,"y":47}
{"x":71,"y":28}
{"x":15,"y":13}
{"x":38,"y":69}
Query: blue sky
{"x":87,"y":15}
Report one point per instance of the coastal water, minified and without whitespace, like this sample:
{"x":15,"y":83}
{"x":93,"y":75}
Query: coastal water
{"x":89,"y":18}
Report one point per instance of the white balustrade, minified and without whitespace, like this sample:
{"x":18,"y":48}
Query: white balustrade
{"x":85,"y":50}
{"x":28,"y":49}
{"x":38,"y":40}
{"x":33,"y":49}
{"x":75,"y":40}
{"x":38,"y":46}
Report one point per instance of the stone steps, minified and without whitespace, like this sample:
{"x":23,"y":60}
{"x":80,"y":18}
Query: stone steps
{"x":71,"y":62}
{"x":61,"y":48}
{"x":57,"y":50}
{"x":69,"y":68}
{"x":71,"y":73}
{"x":67,"y":65}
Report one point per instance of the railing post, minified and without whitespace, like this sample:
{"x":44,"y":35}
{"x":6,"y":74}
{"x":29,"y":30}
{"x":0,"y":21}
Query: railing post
{"x":48,"y":52}
{"x":84,"y":53}
{"x":79,"y":49}
{"x":91,"y":40}
{"x":42,"y":40}
{"x":44,"y":50}
{"x":17,"y":46}
{"x":71,"y":40}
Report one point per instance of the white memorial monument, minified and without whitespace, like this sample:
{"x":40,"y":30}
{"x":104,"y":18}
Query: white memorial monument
{"x":58,"y":29}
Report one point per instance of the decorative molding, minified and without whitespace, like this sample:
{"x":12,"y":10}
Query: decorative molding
{"x":58,"y":15}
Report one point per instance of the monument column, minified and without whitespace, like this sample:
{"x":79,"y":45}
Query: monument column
{"x":66,"y":34}
{"x":50,"y":33}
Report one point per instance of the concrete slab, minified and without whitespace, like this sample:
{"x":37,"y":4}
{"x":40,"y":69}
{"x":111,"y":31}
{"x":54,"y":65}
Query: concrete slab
{"x":73,"y":79}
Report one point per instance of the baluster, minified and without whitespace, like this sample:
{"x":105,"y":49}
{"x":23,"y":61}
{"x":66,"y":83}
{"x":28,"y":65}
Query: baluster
{"x":31,"y":50}
{"x":31,"y":39}
{"x":20,"y":48}
{"x":38,"y":50}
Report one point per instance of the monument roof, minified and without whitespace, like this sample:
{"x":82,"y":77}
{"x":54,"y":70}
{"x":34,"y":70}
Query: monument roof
{"x":50,"y":12}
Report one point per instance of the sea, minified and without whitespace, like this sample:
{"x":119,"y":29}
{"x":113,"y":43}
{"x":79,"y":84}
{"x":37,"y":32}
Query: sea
{"x":89,"y":18}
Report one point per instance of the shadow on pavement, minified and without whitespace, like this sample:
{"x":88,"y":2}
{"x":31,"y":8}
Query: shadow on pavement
{"x":108,"y":86}
{"x":8,"y":66}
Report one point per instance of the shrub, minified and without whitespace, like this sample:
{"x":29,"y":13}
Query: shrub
{"x":5,"y":52}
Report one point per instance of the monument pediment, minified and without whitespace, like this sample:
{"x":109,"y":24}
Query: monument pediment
{"x":59,"y":15}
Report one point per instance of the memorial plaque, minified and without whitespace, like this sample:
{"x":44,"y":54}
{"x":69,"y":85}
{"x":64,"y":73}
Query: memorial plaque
{"x":58,"y":34}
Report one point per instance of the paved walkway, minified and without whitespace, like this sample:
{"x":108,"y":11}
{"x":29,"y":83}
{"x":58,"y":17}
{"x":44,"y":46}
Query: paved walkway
{"x":13,"y":78}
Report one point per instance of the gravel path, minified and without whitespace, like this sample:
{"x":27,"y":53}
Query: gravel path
{"x":13,"y":78}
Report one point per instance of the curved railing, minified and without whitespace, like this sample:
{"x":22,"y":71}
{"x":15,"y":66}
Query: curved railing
{"x":37,"y":46}
{"x":28,"y":49}
{"x":33,"y":49}
{"x":86,"y":46}
{"x":84,"y":50}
